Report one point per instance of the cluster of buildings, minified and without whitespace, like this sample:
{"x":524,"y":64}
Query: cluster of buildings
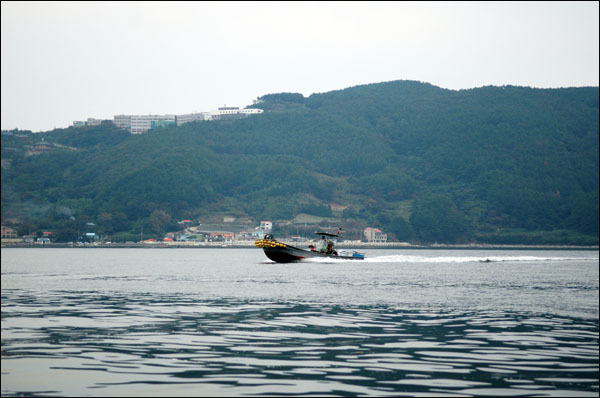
{"x":139,"y":124}
{"x":10,"y":235}
{"x":189,"y":234}
{"x":193,"y":234}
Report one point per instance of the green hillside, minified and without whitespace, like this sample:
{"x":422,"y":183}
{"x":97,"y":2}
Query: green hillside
{"x":425,"y":164}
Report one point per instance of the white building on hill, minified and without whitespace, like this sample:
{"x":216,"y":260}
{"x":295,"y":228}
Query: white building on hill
{"x":139,"y":124}
{"x":142,"y":123}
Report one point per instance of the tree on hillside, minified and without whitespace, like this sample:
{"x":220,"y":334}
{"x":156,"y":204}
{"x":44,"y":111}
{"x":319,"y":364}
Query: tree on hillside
{"x":159,"y":221}
{"x":435,"y":218}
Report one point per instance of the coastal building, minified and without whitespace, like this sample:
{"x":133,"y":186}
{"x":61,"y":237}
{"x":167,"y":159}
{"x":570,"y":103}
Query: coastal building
{"x":374,"y":235}
{"x":245,"y":236}
{"x":225,"y":237}
{"x":265,"y":227}
{"x":30,"y":238}
{"x":8,"y":233}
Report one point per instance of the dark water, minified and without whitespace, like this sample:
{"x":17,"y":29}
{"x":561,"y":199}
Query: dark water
{"x":227,"y":322}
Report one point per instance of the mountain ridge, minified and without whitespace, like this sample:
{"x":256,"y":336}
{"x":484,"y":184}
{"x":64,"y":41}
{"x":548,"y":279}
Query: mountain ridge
{"x":489,"y":164}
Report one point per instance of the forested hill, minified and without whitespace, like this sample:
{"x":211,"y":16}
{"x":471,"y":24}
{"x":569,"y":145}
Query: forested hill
{"x":425,"y":164}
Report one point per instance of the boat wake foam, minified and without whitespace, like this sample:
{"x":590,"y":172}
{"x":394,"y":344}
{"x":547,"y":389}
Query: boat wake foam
{"x":399,"y":258}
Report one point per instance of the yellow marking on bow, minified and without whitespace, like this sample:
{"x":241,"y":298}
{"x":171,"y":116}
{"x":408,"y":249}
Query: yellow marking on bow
{"x":262,"y":243}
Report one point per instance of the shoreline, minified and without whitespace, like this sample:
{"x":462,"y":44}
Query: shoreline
{"x":250,"y":244}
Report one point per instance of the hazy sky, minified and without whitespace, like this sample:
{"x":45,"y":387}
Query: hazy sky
{"x":66,"y":61}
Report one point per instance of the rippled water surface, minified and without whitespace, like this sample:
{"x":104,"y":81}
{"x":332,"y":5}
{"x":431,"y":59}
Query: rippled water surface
{"x":228,"y":322}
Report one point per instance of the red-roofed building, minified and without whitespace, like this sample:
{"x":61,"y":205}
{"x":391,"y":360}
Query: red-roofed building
{"x":374,"y":235}
{"x":228,"y":237}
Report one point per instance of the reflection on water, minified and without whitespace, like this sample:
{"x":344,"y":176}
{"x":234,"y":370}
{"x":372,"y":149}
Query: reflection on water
{"x":93,"y":344}
{"x":201,"y":323}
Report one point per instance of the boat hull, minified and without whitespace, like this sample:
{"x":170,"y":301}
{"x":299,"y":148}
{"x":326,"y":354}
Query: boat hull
{"x":283,"y":253}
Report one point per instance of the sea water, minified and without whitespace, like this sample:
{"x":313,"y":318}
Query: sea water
{"x":229,"y":322}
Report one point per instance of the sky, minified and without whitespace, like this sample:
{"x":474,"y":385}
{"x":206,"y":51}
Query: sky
{"x":67,"y":61}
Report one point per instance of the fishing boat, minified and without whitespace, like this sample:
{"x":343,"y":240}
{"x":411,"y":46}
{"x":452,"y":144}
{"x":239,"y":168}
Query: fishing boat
{"x":284,"y":253}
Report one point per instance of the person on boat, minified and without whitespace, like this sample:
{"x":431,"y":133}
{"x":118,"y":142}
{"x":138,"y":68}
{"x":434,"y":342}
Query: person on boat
{"x":322,"y":245}
{"x":330,"y":249}
{"x":311,"y":247}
